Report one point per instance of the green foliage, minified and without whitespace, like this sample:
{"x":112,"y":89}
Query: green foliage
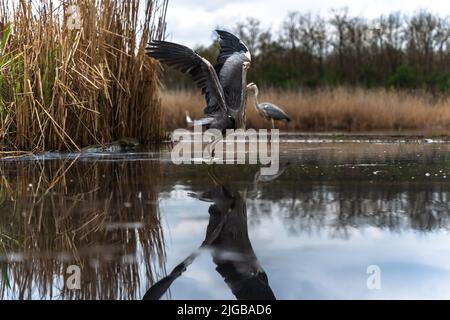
{"x":3,"y":61}
{"x":4,"y":42}
{"x":404,"y":77}
{"x":439,"y":81}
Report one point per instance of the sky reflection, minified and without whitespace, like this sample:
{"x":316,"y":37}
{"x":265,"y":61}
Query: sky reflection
{"x":318,"y":264}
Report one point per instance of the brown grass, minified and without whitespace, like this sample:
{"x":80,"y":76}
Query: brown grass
{"x":65,"y":88}
{"x":340,"y":109}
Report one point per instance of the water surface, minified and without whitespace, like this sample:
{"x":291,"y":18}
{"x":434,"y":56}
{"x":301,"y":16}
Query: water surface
{"x":127,"y":220}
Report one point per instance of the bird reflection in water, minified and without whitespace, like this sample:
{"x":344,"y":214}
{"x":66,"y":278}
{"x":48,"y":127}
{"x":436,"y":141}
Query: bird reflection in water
{"x":229,"y":243}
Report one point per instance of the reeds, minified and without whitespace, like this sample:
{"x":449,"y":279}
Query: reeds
{"x":77,"y":74}
{"x":338,"y":109}
{"x":100,"y":216}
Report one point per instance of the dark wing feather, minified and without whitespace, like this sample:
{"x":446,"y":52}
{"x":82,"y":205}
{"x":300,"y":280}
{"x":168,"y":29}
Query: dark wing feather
{"x":229,"y":44}
{"x":187,"y":61}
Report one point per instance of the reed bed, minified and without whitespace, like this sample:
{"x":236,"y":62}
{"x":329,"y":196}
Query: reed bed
{"x":338,"y":109}
{"x":102,"y":217}
{"x":76,"y":74}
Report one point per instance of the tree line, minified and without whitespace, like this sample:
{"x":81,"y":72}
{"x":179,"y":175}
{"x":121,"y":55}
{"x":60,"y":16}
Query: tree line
{"x":310,"y":50}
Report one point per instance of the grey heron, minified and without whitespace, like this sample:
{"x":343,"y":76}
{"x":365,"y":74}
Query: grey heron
{"x":230,"y":246}
{"x":267,"y":110}
{"x":224,"y":85}
{"x":259,"y":178}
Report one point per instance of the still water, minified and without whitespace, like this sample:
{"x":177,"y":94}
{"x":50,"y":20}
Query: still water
{"x":136,"y":225}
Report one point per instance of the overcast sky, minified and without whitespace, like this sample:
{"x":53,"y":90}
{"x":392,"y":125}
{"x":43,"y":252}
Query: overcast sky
{"x":192,"y":22}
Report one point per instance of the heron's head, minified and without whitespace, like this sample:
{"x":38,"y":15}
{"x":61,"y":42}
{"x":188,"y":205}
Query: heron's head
{"x":253,"y":88}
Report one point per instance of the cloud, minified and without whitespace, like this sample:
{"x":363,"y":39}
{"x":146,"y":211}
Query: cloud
{"x":193,"y":22}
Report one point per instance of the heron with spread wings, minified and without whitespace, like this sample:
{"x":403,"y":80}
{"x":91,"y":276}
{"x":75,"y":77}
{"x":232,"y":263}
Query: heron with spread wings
{"x":224,"y":85}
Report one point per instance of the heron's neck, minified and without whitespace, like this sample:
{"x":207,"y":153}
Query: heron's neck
{"x":255,"y":100}
{"x":241,"y":118}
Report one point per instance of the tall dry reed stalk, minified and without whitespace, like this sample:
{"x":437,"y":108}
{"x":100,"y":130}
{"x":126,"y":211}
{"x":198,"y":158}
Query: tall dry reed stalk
{"x":65,"y":85}
{"x":339,"y":109}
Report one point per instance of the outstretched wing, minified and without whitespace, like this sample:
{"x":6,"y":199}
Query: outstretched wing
{"x":187,"y":61}
{"x":229,"y":44}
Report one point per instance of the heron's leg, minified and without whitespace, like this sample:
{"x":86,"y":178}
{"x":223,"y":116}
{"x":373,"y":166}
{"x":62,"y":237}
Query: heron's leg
{"x":211,"y":148}
{"x":209,"y":159}
{"x":273,"y":124}
{"x":254,"y":192}
{"x":212,"y":174}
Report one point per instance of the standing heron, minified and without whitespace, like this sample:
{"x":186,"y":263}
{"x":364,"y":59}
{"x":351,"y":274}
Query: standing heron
{"x":224,"y":85}
{"x":267,"y":110}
